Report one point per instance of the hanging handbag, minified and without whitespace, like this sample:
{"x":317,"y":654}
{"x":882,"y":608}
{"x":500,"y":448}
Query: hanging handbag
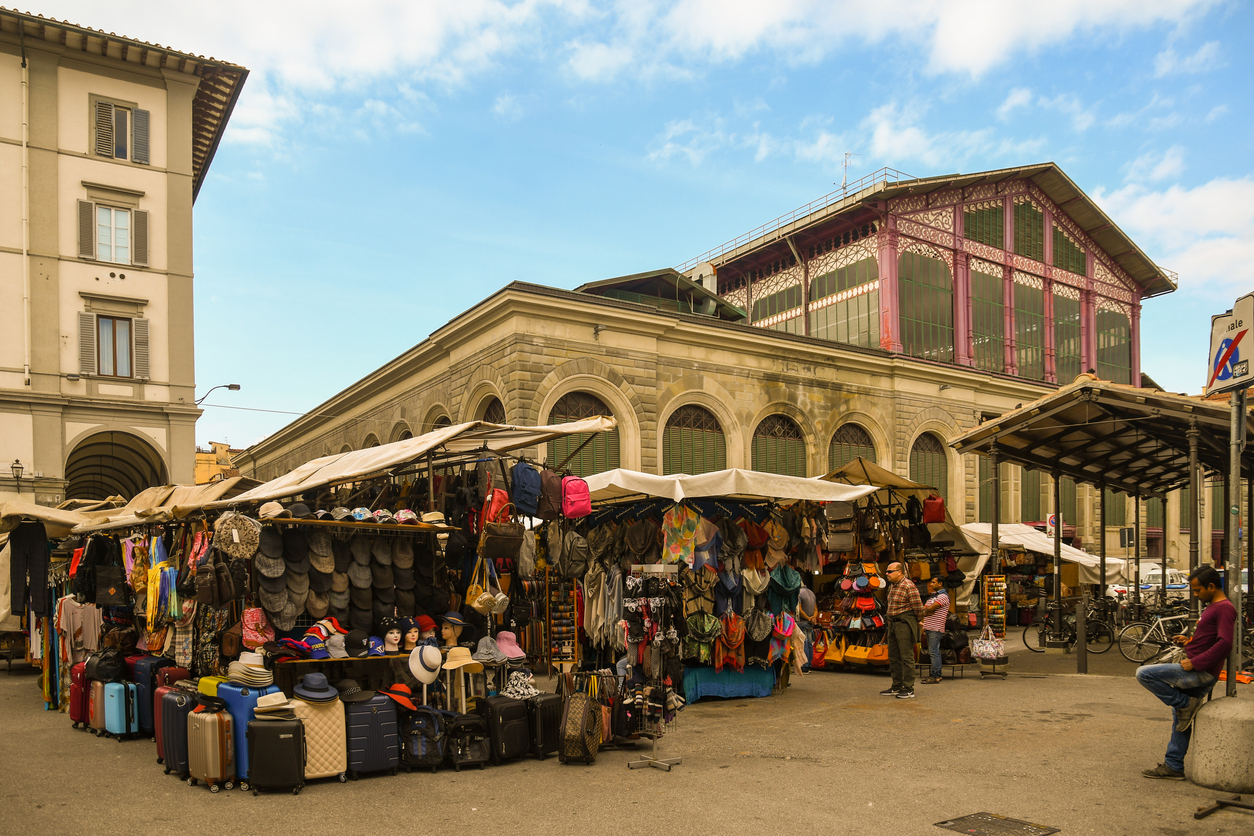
{"x":477,"y":595}
{"x":988,"y":646}
{"x":878,"y":654}
{"x":501,"y":539}
{"x":818,"y":650}
{"x":857,"y":653}
{"x":933,"y":509}
{"x":111,"y":590}
{"x":834,"y":654}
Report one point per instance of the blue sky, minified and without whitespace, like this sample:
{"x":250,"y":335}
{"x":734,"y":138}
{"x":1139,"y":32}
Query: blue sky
{"x":390,"y":164}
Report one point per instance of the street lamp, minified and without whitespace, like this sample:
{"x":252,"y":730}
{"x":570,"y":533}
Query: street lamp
{"x":233,"y":387}
{"x":17,"y":468}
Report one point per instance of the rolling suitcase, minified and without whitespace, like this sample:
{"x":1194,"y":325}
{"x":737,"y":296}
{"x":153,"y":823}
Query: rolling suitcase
{"x":545,"y":715}
{"x":278,"y":755}
{"x":95,"y":710}
{"x":210,"y":749}
{"x":176,"y":705}
{"x":166,"y":677}
{"x":208,"y":685}
{"x":508,"y":728}
{"x":121,"y":709}
{"x":240,"y":701}
{"x":80,"y":697}
{"x":374,"y":743}
{"x":144,"y":675}
{"x":424,"y":738}
{"x":469,"y":743}
{"x":580,"y":738}
{"x":326,"y":735}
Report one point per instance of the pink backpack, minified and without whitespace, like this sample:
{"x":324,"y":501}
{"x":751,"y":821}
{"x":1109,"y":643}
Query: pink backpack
{"x":576,"y":500}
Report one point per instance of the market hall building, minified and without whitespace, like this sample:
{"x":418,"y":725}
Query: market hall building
{"x":878,"y":321}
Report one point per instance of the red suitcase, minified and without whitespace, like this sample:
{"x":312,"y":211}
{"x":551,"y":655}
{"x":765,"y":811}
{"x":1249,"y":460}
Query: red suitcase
{"x":80,"y":697}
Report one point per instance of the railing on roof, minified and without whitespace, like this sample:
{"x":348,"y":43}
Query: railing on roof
{"x":883,"y":175}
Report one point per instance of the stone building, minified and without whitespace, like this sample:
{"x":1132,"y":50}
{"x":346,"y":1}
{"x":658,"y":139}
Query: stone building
{"x":104,"y":143}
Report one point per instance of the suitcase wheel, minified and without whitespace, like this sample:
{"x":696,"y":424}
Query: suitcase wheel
{"x":457,"y":767}
{"x":154,"y":740}
{"x":395,"y":770}
{"x":343,"y":778}
{"x":162,"y":760}
{"x":254,"y":793}
{"x":295,"y":790}
{"x":167,"y":770}
{"x":352,"y":775}
{"x":191,"y":782}
{"x":228,"y":785}
{"x":213,"y":788}
{"x":243,"y":785}
{"x":75,"y":724}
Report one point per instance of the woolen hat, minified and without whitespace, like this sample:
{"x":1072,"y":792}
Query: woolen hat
{"x":324,"y":563}
{"x":361,"y":598}
{"x":402,"y":553}
{"x":381,"y":576}
{"x":275,"y":584}
{"x":360,"y":618}
{"x":339,"y":582}
{"x":381,"y":610}
{"x":360,"y":548}
{"x":317,"y":604}
{"x":340,"y":599}
{"x":359,"y":575}
{"x":405,"y":603}
{"x":269,"y":567}
{"x":298,"y":598}
{"x":387,"y":594}
{"x":297,"y":581}
{"x":271,"y":543}
{"x":340,"y":614}
{"x":285,"y":619}
{"x":402,"y":578}
{"x":424,"y":663}
{"x":381,"y":548}
{"x":319,"y":541}
{"x":295,"y":546}
{"x":319,"y":581}
{"x":350,"y":691}
{"x":271,"y":600}
{"x":341,"y":554}
{"x":313,"y":687}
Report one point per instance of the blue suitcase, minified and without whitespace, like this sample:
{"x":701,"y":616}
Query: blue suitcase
{"x":145,"y":678}
{"x":121,"y":709}
{"x":240,"y":701}
{"x":374,"y":743}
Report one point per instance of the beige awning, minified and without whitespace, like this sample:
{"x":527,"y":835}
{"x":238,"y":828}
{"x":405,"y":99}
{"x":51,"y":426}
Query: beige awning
{"x":731,"y":484}
{"x":162,"y":504}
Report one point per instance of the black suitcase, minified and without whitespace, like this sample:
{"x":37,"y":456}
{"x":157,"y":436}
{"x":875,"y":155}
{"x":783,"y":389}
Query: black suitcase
{"x":276,"y":755}
{"x":508,"y":727}
{"x":544,"y":714}
{"x":469,"y":743}
{"x":145,"y":686}
{"x":374,"y":743}
{"x":175,"y":706}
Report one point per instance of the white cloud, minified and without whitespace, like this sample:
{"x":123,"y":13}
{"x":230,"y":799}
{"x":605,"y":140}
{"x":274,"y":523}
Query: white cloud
{"x":1018,"y":97}
{"x":1069,"y":104}
{"x":1215,"y":113}
{"x":1168,"y":62}
{"x":507,"y":107}
{"x":1154,"y":168}
{"x":598,"y":61}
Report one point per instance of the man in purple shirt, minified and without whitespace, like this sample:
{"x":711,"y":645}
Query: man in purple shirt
{"x":1184,"y":686}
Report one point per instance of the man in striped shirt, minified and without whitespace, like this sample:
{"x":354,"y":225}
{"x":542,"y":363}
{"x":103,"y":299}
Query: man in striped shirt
{"x":936,"y":610}
{"x":905,"y":610}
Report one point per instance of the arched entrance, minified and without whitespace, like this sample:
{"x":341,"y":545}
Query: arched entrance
{"x":112,"y":464}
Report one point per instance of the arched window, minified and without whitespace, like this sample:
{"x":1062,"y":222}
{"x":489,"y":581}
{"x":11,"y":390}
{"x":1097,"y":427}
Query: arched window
{"x":494,"y":412}
{"x":404,"y":435}
{"x":928,"y":465}
{"x":779,"y":446}
{"x":927,"y":307}
{"x":850,"y":442}
{"x":443,"y":421}
{"x":693,"y":442}
{"x":600,"y":454}
{"x":371,"y":441}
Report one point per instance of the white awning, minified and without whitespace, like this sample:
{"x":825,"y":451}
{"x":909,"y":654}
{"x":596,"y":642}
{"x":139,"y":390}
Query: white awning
{"x":732,"y":484}
{"x":980,"y":535}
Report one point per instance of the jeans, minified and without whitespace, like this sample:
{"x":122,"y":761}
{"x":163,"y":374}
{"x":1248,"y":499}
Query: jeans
{"x":934,"y":649}
{"x":807,"y":629}
{"x":28,"y":555}
{"x":902,"y":634}
{"x":1173,"y":685}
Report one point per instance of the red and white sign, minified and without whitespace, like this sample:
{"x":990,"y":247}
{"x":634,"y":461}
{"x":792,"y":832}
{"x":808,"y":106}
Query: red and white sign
{"x":1231,"y":347}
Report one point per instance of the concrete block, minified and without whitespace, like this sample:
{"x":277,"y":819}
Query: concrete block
{"x":1221,"y":751}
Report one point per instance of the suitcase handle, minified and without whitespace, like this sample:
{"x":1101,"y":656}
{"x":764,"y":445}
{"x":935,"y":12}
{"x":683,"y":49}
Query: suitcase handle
{"x":130,"y":707}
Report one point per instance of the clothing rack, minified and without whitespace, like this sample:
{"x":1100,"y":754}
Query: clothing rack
{"x":654,"y":727}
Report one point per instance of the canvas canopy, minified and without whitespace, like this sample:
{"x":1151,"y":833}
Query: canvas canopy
{"x":162,"y":504}
{"x":357,"y":465}
{"x":1025,"y":536}
{"x":731,"y":484}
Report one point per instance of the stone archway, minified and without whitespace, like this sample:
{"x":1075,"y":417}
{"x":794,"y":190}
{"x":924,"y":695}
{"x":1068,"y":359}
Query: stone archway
{"x":112,"y":463}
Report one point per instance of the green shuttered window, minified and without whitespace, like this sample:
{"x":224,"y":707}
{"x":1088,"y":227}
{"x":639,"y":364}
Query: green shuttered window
{"x":928,"y":465}
{"x":1067,"y":255}
{"x":1029,"y":231}
{"x":601,"y":453}
{"x":1030,"y":496}
{"x":1066,"y":338}
{"x":926,"y":295}
{"x":1030,"y":331}
{"x":988,"y":321}
{"x":1114,"y":346}
{"x":855,"y":318}
{"x":779,"y":447}
{"x":987,"y":226}
{"x":693,"y":442}
{"x":848,"y":443}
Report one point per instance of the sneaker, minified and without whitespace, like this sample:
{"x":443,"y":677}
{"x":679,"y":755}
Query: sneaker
{"x":905,"y":695}
{"x":1163,"y":771}
{"x":888,"y":692}
{"x":1184,"y":716}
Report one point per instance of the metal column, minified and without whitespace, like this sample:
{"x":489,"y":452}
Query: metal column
{"x":1235,"y":594}
{"x":993,"y":456}
{"x":1195,"y":496}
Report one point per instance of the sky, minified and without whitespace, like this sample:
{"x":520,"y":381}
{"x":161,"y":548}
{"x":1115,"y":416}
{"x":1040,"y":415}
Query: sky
{"x":390,"y":164}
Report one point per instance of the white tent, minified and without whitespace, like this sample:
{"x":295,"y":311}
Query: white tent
{"x":731,"y":484}
{"x":980,"y":535}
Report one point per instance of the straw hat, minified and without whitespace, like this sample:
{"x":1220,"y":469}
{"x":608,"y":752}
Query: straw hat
{"x":459,"y":658}
{"x":424,"y":664}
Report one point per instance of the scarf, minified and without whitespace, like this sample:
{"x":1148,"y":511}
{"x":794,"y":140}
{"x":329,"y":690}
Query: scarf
{"x":730,"y":647}
{"x":703,"y":630}
{"x":780,"y":635}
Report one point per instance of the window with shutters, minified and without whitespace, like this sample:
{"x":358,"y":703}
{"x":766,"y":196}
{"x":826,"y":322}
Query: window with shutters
{"x":1070,"y":506}
{"x":779,"y":447}
{"x":113,"y":346}
{"x":112,"y":233}
{"x":1030,"y":330}
{"x":848,"y":443}
{"x":693,"y":442}
{"x":119,"y":130}
{"x":1029,"y":229}
{"x":1187,"y":511}
{"x":1067,"y":358}
{"x":600,"y":453}
{"x":926,"y":293}
{"x":1068,"y":255}
{"x":1155,"y":512}
{"x":1114,"y":346}
{"x":928,"y":465}
{"x":1116,"y":508}
{"x":986,"y":223}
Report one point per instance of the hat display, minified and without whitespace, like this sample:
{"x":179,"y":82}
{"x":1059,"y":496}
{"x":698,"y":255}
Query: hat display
{"x":405,"y":603}
{"x":382,"y":609}
{"x":520,"y":687}
{"x":402,"y":578}
{"x":269,"y":567}
{"x":237,"y":535}
{"x":375,"y":646}
{"x":362,"y":598}
{"x":335,"y":647}
{"x":341,"y":555}
{"x":319,"y":581}
{"x":317,"y":603}
{"x":324,"y":563}
{"x":297,"y":581}
{"x":459,"y":658}
{"x":383,"y":517}
{"x":284,"y":619}
{"x":381,"y":548}
{"x":386,"y":594}
{"x":274,"y":706}
{"x":360,"y":618}
{"x":488,"y":652}
{"x":339,"y":600}
{"x":271,"y":600}
{"x":453,"y":618}
{"x":507,"y":643}
{"x":298,"y":597}
{"x":300,"y":511}
{"x":359,"y":576}
{"x":424,"y":663}
{"x":253,"y":675}
{"x":313,"y":687}
{"x":271,"y":542}
{"x":359,"y":546}
{"x":402,"y":694}
{"x":406,"y":517}
{"x":402,"y":552}
{"x":350,"y":691}
{"x":433,"y":517}
{"x":361,"y":514}
{"x":273,"y":511}
{"x":426,"y":623}
{"x":295,"y":545}
{"x":340,"y":513}
{"x":356,"y":643}
{"x":381,"y":576}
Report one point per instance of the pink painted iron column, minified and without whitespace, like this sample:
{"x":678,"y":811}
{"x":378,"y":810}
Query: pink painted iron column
{"x":890,"y":307}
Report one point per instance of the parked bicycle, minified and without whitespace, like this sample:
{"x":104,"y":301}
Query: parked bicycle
{"x":1098,"y":634}
{"x":1139,"y":642}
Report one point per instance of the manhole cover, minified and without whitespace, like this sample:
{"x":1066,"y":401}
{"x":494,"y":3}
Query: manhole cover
{"x":991,"y":824}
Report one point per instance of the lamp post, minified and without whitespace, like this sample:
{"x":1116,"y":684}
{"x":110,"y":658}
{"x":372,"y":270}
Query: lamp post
{"x":233,"y":387}
{"x":17,"y":468}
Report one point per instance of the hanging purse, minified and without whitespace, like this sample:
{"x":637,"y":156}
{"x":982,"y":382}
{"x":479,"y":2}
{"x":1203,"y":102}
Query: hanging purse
{"x":834,"y":654}
{"x":878,"y":654}
{"x":501,"y":538}
{"x":819,"y":650}
{"x":857,"y":653}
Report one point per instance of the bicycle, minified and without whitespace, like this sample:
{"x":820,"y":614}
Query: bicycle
{"x":1099,"y":636}
{"x":1139,"y":642}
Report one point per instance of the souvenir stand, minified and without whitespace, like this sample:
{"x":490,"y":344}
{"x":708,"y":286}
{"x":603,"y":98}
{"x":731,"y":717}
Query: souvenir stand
{"x":714,"y":564}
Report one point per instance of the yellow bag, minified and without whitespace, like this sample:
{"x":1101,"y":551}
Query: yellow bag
{"x":835,"y":653}
{"x":878,"y":652}
{"x":856,"y":654}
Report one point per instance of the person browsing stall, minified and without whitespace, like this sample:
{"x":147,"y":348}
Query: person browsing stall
{"x":905,"y":611}
{"x":1184,"y":685}
{"x":807,"y":612}
{"x":935,"y":611}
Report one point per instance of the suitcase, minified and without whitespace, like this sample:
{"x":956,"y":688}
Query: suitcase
{"x":210,"y":750}
{"x":278,"y":755}
{"x":374,"y":743}
{"x":544,"y":714}
{"x":240,"y":701}
{"x":96,"y":710}
{"x":132,"y":661}
{"x":469,"y":742}
{"x":166,"y":677}
{"x":508,"y":728}
{"x":326,"y":734}
{"x":176,"y":704}
{"x":144,"y":675}
{"x":121,"y":709}
{"x":208,"y":685}
{"x":424,"y":738}
{"x":580,"y":737}
{"x":80,"y":697}
{"x":172,"y":674}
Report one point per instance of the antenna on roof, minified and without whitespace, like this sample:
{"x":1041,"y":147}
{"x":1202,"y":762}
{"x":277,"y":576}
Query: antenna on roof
{"x":844,"y":179}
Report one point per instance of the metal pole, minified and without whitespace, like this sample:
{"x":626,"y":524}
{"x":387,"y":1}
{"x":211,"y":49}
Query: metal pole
{"x":431,"y":484}
{"x":1195,"y":496}
{"x":1136,"y":546}
{"x":1057,"y":561}
{"x":1082,"y":657}
{"x":1101,"y":532}
{"x":1237,"y":436}
{"x":993,"y":456}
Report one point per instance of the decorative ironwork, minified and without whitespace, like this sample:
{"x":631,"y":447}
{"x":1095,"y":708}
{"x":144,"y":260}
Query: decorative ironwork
{"x":848,"y":443}
{"x":494,"y":412}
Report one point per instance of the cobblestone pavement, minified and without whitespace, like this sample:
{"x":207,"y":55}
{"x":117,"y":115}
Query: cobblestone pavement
{"x":827,"y":756}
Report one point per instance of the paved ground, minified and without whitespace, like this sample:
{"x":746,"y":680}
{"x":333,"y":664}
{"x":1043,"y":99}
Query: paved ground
{"x":828,"y":756}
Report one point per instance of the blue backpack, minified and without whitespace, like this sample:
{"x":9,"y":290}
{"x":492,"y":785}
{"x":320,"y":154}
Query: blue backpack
{"x":526,"y":495}
{"x":424,"y":738}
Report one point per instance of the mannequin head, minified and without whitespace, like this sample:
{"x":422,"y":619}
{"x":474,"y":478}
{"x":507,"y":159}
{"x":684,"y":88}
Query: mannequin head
{"x":390,"y":627}
{"x":410,"y":632}
{"x":426,"y":627}
{"x":451,"y":633}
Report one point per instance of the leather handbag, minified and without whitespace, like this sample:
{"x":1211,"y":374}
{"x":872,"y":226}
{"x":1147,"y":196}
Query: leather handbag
{"x":857,"y":653}
{"x":819,"y":651}
{"x":933,"y":509}
{"x":834,"y":654}
{"x":878,"y":652}
{"x":501,"y":539}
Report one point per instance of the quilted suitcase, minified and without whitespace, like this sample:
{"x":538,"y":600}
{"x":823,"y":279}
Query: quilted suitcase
{"x":469,"y":743}
{"x":210,"y":749}
{"x":121,"y":709}
{"x":278,"y":755}
{"x":176,"y":705}
{"x":240,"y":701}
{"x":326,"y":736}
{"x":80,"y":697}
{"x":424,"y":738}
{"x":374,"y":743}
{"x":95,"y":709}
{"x":144,"y":675}
{"x":508,"y":728}
{"x":544,"y":713}
{"x":581,"y":730}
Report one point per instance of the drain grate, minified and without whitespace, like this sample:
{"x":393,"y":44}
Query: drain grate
{"x":991,"y":824}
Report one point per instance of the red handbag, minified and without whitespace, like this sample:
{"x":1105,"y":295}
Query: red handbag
{"x":933,"y":509}
{"x":819,"y":651}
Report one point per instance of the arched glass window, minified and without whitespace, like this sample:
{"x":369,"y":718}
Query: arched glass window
{"x":600,"y":454}
{"x":779,"y":446}
{"x":405,"y":434}
{"x":850,"y":442}
{"x":494,"y":412}
{"x":443,"y":421}
{"x":371,"y":441}
{"x":928,"y":465}
{"x":927,"y":307}
{"x":693,"y":442}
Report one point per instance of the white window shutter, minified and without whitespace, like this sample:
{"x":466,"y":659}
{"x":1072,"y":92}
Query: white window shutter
{"x":87,"y":344}
{"x":104,"y":129}
{"x":86,"y":229}
{"x":139,"y":137}
{"x":142,"y":365}
{"x":139,"y":238}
